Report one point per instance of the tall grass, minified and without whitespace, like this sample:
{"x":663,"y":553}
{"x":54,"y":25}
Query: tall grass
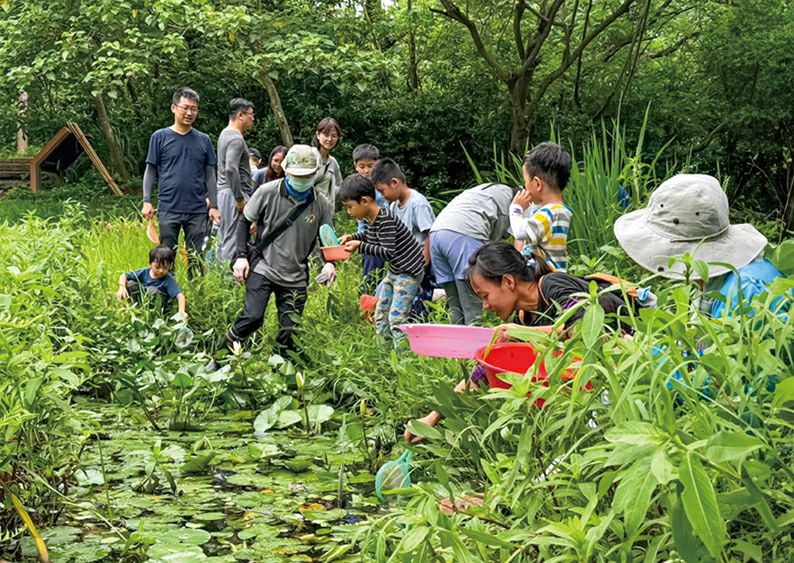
{"x":680,"y":451}
{"x":603,"y":164}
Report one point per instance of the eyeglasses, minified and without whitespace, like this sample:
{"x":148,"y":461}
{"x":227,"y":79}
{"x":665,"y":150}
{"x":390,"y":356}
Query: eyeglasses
{"x":187,"y":109}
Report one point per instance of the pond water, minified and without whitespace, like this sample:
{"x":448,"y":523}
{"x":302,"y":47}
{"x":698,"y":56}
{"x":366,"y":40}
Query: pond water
{"x":219,"y":494}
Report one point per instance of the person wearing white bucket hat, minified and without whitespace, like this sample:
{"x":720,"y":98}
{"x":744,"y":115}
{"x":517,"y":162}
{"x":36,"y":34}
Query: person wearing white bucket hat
{"x":690,"y":213}
{"x":289,"y":217}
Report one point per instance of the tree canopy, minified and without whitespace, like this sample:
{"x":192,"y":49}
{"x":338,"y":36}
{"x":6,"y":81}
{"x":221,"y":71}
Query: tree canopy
{"x":421,"y":79}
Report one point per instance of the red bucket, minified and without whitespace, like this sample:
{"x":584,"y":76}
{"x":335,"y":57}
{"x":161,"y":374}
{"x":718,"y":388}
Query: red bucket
{"x":334,"y":253}
{"x":516,"y":357}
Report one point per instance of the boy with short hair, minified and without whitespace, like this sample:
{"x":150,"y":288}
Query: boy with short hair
{"x":364,"y":158}
{"x":413,"y":209}
{"x":408,"y":205}
{"x":156,"y":279}
{"x":546,"y":170}
{"x":388,"y":238}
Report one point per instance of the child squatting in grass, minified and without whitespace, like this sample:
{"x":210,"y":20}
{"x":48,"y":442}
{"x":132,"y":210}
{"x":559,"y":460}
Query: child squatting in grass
{"x":156,"y":279}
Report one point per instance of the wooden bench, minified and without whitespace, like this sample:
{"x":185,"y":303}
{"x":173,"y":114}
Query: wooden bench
{"x":15,"y":168}
{"x":60,"y":151}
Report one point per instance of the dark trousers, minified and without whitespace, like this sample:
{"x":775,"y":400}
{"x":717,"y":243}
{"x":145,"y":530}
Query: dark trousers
{"x":419,"y":309}
{"x":290,"y":302}
{"x":372,"y":270}
{"x":140,"y":295}
{"x":195,"y":227}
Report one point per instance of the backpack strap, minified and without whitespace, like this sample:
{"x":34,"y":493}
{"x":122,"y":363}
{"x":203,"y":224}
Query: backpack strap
{"x":296,"y":212}
{"x":614,"y":280}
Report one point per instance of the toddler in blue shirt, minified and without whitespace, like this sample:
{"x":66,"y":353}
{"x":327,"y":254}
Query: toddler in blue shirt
{"x":154,"y":280}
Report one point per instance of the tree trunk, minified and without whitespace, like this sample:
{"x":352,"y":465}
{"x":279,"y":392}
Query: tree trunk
{"x":413,"y":64}
{"x":115,"y":153}
{"x":275,"y":105}
{"x":788,"y":208}
{"x":373,"y":10}
{"x":22,"y":117}
{"x":519,"y":130}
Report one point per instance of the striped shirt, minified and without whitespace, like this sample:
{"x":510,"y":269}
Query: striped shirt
{"x":388,"y":238}
{"x":546,"y":231}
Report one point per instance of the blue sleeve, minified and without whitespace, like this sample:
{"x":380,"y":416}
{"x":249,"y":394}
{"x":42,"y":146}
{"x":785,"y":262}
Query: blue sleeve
{"x":153,"y":156}
{"x":138,"y":275}
{"x":171,"y":287}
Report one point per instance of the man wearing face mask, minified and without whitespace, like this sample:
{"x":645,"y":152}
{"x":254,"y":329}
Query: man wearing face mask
{"x":283,"y":268}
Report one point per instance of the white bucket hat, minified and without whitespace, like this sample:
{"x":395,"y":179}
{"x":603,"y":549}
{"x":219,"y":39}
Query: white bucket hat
{"x":301,"y":160}
{"x":687,"y":213}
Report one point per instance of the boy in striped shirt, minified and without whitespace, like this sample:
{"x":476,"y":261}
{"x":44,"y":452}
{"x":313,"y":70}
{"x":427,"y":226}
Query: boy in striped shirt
{"x":385,"y":236}
{"x":545,"y":229}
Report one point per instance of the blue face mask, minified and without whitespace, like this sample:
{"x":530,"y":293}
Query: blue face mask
{"x":301,"y":185}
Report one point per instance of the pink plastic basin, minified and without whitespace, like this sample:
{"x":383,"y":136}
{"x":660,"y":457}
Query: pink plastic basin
{"x":447,"y":341}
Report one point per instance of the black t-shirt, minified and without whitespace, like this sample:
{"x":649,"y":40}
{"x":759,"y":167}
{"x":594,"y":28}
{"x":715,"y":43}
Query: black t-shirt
{"x":557,"y":295}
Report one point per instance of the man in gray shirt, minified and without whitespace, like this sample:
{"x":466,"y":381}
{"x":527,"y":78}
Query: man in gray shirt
{"x":283,"y":268}
{"x":234,"y":174}
{"x":474,"y":217}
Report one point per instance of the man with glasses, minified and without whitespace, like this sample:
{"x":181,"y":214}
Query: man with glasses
{"x":234,"y":174}
{"x":182,"y":162}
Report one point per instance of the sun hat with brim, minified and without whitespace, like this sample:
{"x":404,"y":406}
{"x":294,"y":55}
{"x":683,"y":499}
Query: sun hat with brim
{"x":301,"y":160}
{"x":687,"y":213}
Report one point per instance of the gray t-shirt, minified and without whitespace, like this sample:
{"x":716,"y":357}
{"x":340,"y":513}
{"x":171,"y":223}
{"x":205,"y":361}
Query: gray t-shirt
{"x":328,"y":179}
{"x":234,"y":168}
{"x":284,"y":260}
{"x":481,"y":212}
{"x":416,"y":214}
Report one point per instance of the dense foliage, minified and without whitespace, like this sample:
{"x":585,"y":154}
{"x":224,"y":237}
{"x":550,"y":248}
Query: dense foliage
{"x":419,"y":78}
{"x":680,"y":447}
{"x":121,"y":441}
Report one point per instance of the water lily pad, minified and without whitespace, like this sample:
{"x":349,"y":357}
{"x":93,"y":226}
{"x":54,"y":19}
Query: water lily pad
{"x":320,"y":413}
{"x":64,"y":545}
{"x":299,"y":464}
{"x":186,"y":536}
{"x":175,"y":553}
{"x":260,"y":532}
{"x":197,"y":464}
{"x":288,"y":418}
{"x":181,"y":379}
{"x":244,"y":479}
{"x":88,"y":477}
{"x":325,"y":516}
{"x":260,"y":451}
{"x":209,"y":516}
{"x":269,"y":417}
